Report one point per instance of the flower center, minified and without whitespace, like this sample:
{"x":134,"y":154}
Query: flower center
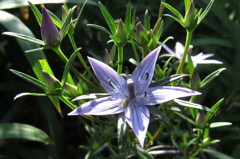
{"x":131,"y":91}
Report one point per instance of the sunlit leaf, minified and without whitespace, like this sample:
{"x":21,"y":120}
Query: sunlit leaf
{"x":210,"y":77}
{"x":192,"y":105}
{"x":219,"y":124}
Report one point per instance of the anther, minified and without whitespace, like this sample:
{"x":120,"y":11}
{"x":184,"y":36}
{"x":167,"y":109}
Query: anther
{"x":125,"y":102}
{"x":146,"y":76}
{"x":110,"y":83}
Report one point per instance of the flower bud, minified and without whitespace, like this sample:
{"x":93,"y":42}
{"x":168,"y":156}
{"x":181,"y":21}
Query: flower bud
{"x":107,"y":58}
{"x":195,"y":80}
{"x":49,"y":31}
{"x":53,"y":85}
{"x":201,"y":120}
{"x":121,"y":34}
{"x":190,"y":19}
{"x":64,"y":13}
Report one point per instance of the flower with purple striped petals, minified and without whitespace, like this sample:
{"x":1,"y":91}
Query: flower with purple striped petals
{"x":131,"y":96}
{"x":198,"y":59}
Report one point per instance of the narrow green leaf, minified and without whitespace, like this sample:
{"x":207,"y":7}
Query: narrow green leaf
{"x":168,"y":80}
{"x":215,"y":108}
{"x":128,"y":17}
{"x":91,"y":96}
{"x":146,"y":21}
{"x":158,"y":114}
{"x":219,"y":124}
{"x":36,"y":12}
{"x":176,"y":19}
{"x":158,"y":28}
{"x":192,"y":105}
{"x":205,"y":12}
{"x":24,"y":37}
{"x":29,"y":94}
{"x":69,"y":65}
{"x":174,"y":11}
{"x":185,"y":118}
{"x":29,"y":79}
{"x":210,"y":77}
{"x":108,"y":18}
{"x":66,"y":24}
{"x":55,"y":19}
{"x":98,"y":27}
{"x":217,"y":154}
{"x":23,"y":131}
{"x":186,"y":4}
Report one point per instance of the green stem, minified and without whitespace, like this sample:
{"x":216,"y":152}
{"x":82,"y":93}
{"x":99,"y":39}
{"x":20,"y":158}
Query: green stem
{"x":67,"y":102}
{"x":81,"y":58}
{"x":161,"y":8}
{"x":186,"y":47}
{"x":65,"y":59}
{"x":120,"y":59}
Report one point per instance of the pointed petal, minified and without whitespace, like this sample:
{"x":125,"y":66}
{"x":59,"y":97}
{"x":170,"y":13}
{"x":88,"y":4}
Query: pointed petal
{"x":143,"y":73}
{"x":201,"y":59}
{"x":108,"y":77}
{"x":169,"y":50}
{"x":179,"y":49}
{"x":101,"y":106}
{"x":157,"y":95}
{"x":137,"y":116}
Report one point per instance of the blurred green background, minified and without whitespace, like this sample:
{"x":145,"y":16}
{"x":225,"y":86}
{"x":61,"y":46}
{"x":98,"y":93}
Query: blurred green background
{"x":219,"y":34}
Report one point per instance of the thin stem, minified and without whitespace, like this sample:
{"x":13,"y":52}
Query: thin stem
{"x":65,"y":59}
{"x":186,"y":47}
{"x":67,"y":102}
{"x":154,"y":137}
{"x":120,"y":59}
{"x":81,"y":58}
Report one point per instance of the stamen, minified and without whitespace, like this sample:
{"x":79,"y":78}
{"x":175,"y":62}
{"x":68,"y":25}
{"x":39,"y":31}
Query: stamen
{"x":145,"y":94}
{"x":146,"y":76}
{"x":111,"y":84}
{"x":131,"y":90}
{"x":125,"y":102}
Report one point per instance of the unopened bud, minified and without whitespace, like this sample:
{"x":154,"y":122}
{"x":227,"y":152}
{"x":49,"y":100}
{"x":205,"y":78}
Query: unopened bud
{"x":201,"y":120}
{"x":190,"y":19}
{"x":53,"y":85}
{"x":195,"y":81}
{"x":121,"y":34}
{"x":49,"y":31}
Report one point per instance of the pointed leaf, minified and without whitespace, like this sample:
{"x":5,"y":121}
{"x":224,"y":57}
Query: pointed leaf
{"x":210,"y":77}
{"x":215,"y":108}
{"x":205,"y":12}
{"x":68,"y":65}
{"x":36,"y":12}
{"x":219,"y":124}
{"x":168,"y":80}
{"x":108,"y":18}
{"x":128,"y":17}
{"x":185,"y":118}
{"x":24,"y":37}
{"x":192,"y":105}
{"x":91,"y":96}
{"x":174,"y":11}
{"x":29,"y":94}
{"x":29,"y":79}
{"x":98,"y":27}
{"x":23,"y":131}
